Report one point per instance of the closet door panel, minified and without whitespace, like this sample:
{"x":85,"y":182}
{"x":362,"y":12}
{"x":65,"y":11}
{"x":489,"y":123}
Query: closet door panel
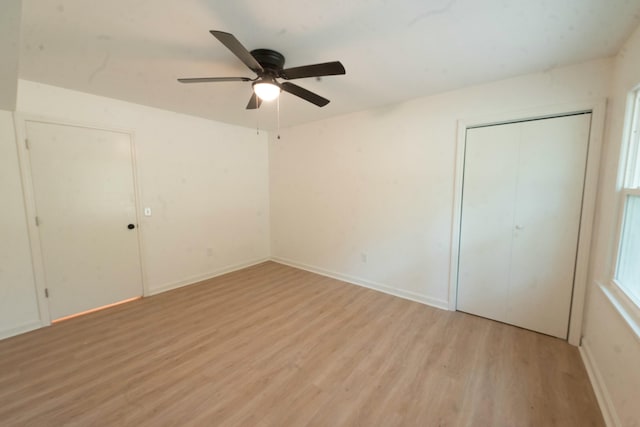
{"x":548,"y":203}
{"x":486,"y":221}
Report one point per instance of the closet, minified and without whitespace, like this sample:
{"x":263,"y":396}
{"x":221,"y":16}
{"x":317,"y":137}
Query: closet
{"x":520,"y":221}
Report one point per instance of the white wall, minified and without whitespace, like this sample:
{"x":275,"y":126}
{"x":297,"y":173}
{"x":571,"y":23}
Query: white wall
{"x":18,"y":304}
{"x":206,"y":183}
{"x":609,"y":339}
{"x":368,"y":197}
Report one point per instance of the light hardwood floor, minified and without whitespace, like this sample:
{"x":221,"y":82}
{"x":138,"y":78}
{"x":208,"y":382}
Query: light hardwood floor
{"x":275,"y":346}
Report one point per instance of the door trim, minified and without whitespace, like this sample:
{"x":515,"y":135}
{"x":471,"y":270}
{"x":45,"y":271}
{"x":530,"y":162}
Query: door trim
{"x":597,"y":109}
{"x":20,"y":122}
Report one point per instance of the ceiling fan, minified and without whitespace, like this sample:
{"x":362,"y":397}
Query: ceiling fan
{"x":268,"y":65}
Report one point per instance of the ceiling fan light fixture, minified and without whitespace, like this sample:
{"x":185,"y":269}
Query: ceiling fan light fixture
{"x":266,"y":90}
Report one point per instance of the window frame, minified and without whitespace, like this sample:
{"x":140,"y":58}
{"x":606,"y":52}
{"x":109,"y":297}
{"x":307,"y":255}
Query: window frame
{"x":624,"y":195}
{"x":628,"y":185}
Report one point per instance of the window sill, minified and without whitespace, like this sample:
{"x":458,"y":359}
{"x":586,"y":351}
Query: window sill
{"x":627,"y":309}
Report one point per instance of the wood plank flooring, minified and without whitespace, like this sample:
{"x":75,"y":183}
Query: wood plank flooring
{"x":275,"y":346}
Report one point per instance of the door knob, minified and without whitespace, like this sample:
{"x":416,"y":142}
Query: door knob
{"x":519,"y":227}
{"x":131,"y":226}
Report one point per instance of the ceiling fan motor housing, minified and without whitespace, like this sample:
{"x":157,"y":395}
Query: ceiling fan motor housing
{"x":271,"y":61}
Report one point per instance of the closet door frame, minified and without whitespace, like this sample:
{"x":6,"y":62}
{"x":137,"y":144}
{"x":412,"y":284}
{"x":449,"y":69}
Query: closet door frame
{"x":597,"y":110}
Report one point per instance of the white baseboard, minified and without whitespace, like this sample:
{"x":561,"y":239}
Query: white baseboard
{"x":20,"y":329}
{"x":599,"y":387}
{"x":199,"y":278}
{"x":412,"y":296}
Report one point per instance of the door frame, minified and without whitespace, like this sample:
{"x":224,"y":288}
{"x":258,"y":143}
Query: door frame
{"x":20,"y":121}
{"x":597,"y":109}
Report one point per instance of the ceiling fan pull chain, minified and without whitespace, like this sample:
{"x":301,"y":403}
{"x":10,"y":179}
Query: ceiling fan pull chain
{"x":278,"y":104}
{"x":257,"y":121}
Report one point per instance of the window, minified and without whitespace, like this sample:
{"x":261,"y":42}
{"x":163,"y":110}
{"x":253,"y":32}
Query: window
{"x":627,"y":274}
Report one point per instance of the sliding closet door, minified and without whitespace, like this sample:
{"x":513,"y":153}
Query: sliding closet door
{"x":520,"y":221}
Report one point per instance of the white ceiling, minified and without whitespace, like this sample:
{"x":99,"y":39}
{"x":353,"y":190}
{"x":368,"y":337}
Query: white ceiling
{"x":392,"y":50}
{"x":10,"y":51}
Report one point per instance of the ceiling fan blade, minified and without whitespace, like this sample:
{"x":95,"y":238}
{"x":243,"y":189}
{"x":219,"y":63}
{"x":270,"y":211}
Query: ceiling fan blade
{"x":214,"y":79}
{"x":316,"y":70}
{"x":304,"y":94}
{"x":232,"y":43}
{"x":254,"y":102}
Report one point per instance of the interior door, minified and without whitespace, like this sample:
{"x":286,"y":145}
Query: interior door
{"x":521,"y":207}
{"x":85,"y":201}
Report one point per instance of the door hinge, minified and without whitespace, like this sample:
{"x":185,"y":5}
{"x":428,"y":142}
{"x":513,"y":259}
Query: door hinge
{"x":26,"y":143}
{"x":46,"y":292}
{"x":37,"y":222}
